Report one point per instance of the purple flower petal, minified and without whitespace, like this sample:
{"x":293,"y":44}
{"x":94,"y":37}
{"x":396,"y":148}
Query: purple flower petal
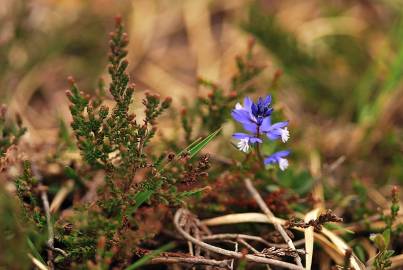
{"x":252,"y":139}
{"x":276,"y":131}
{"x":266,"y":124}
{"x":247,"y":104}
{"x":255,"y":140}
{"x":242,"y":116}
{"x":251,"y":127}
{"x":279,"y":158}
{"x":267,"y":100}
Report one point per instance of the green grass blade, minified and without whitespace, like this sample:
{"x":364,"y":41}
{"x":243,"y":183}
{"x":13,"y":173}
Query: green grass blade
{"x":196,"y":148}
{"x":149,"y":256}
{"x":34,"y":251}
{"x":141,"y":198}
{"x":190,"y":146}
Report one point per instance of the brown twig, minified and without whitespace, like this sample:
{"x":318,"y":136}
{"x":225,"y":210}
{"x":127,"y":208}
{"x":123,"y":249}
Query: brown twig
{"x":191,"y":261}
{"x":255,"y":194}
{"x":59,"y":250}
{"x":248,"y":237}
{"x":178,"y":219}
{"x":317,"y":223}
{"x":246,"y":244}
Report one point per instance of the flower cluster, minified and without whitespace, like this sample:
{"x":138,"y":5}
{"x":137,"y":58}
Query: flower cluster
{"x":255,"y":118}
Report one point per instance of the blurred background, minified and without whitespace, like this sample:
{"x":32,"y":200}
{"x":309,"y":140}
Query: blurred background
{"x":337,"y":64}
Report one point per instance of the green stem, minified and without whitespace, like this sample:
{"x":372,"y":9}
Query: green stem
{"x":259,"y":155}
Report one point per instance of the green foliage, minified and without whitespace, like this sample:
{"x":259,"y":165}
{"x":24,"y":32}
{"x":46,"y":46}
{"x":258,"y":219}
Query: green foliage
{"x":65,"y":140}
{"x":81,"y":241}
{"x":10,"y":132}
{"x":27,"y":191}
{"x":299,"y":65}
{"x":300,"y":182}
{"x":383,"y":240}
{"x":13,"y":243}
{"x":116,"y":142}
{"x":361,"y":210}
{"x":313,"y":67}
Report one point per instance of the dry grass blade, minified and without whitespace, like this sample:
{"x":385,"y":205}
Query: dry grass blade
{"x":61,"y":196}
{"x":342,"y":246}
{"x":241,"y":218}
{"x":37,"y":263}
{"x":397,"y":261}
{"x":309,"y":238}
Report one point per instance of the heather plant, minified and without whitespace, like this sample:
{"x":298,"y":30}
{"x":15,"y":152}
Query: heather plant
{"x":10,"y":132}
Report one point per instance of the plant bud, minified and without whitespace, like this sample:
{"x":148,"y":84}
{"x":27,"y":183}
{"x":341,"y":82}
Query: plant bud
{"x":118,"y":20}
{"x":167,"y":102}
{"x":233,"y":94}
{"x":71,"y":80}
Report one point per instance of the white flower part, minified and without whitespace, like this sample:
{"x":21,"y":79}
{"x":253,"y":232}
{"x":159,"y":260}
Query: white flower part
{"x":238,"y":106}
{"x":285,"y":134}
{"x":253,"y":117}
{"x":243,"y":145}
{"x":282,"y":163}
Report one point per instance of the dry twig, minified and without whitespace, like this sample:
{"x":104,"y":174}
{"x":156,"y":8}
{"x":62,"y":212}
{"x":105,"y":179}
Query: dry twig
{"x":270,"y":215}
{"x":180,"y":219}
{"x":190,"y":260}
{"x":248,"y":237}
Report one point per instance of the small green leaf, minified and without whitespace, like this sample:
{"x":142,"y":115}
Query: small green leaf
{"x":386,"y":237}
{"x":378,"y":240}
{"x":389,"y":253}
{"x":360,"y":252}
{"x":149,"y":256}
{"x":34,"y":251}
{"x":190,"y":146}
{"x":142,"y":197}
{"x":196,"y":148}
{"x":194,"y":192}
{"x":71,"y":173}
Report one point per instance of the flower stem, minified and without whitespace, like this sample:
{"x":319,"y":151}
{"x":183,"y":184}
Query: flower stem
{"x":259,"y":155}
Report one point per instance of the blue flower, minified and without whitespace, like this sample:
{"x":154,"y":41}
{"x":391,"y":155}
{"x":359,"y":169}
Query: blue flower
{"x":245,"y":140}
{"x":255,"y":118}
{"x":279,"y":158}
{"x":252,"y":115}
{"x":262,"y":109}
